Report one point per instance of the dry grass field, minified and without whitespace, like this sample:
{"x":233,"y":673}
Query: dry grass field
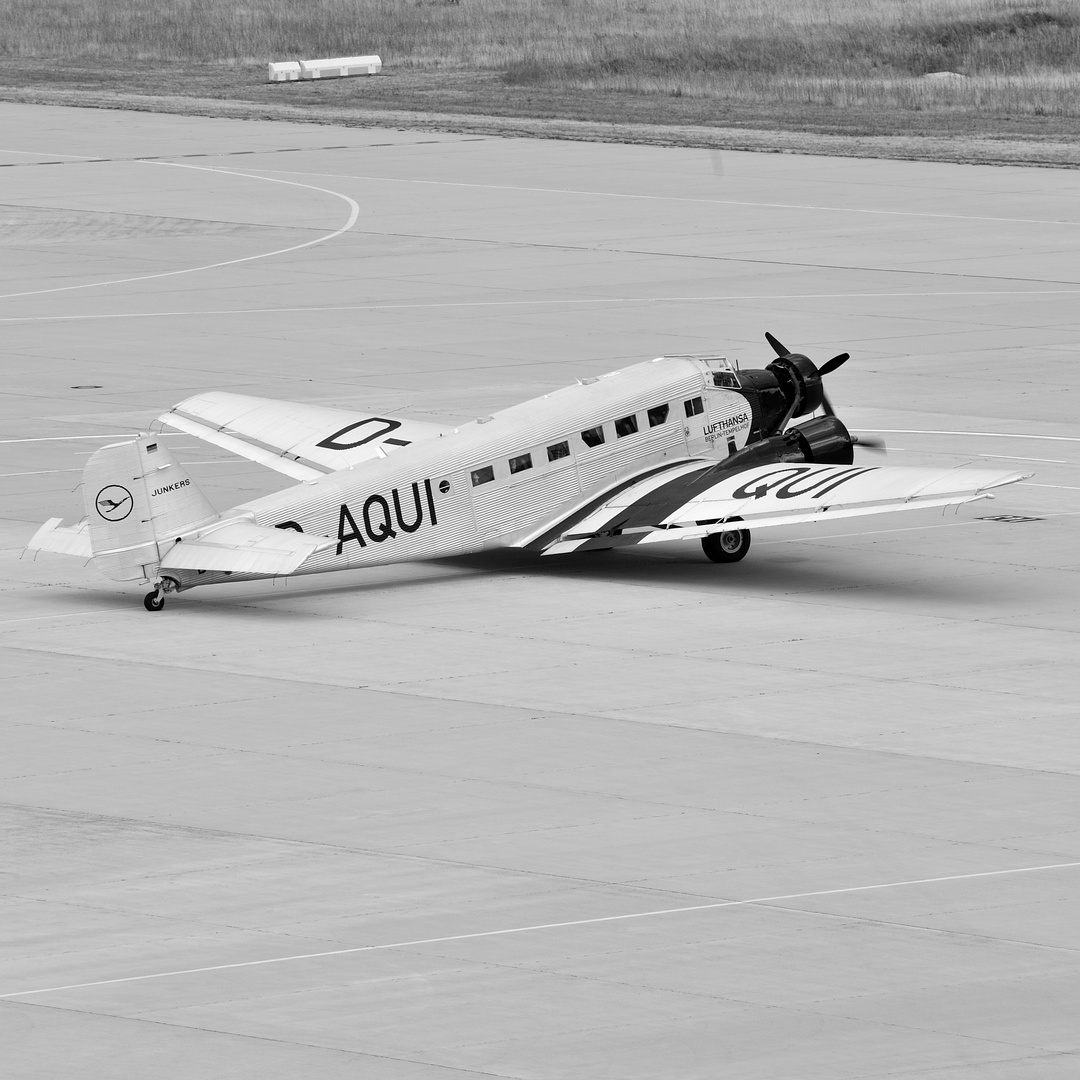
{"x":1015,"y":61}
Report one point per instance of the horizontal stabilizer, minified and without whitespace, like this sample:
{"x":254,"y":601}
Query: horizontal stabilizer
{"x":241,"y":547}
{"x":63,"y":539}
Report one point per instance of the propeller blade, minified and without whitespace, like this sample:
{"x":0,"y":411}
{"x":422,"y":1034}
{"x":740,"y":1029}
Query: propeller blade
{"x":834,"y":363}
{"x":826,"y":404}
{"x":778,"y":347}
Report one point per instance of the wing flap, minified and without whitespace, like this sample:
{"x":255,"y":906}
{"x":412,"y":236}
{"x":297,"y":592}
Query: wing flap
{"x":302,"y":441}
{"x":241,"y":547}
{"x":273,"y":459}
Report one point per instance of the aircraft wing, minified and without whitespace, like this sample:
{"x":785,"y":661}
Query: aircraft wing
{"x":691,"y":500}
{"x":301,"y":441}
{"x":242,"y":547}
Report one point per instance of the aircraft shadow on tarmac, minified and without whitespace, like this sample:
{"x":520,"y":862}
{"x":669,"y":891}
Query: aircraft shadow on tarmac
{"x":807,"y":576}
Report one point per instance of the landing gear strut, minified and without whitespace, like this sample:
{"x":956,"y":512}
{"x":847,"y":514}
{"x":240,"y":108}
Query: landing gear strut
{"x":726,"y":547}
{"x":155,"y":601}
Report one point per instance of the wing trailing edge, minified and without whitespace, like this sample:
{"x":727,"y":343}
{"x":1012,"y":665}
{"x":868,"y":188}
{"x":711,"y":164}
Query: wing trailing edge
{"x":302,"y":441}
{"x":245,"y":448}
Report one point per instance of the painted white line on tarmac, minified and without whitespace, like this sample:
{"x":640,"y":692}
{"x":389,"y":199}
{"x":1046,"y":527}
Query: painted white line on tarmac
{"x":115,"y":435}
{"x":320,"y":308}
{"x":67,"y":615}
{"x":67,"y":438}
{"x":49,"y":154}
{"x":988,"y":434}
{"x":677,"y":198}
{"x":37,"y":472}
{"x":53,"y":472}
{"x":354,"y":214}
{"x":1017,"y":457}
{"x":548,"y":926}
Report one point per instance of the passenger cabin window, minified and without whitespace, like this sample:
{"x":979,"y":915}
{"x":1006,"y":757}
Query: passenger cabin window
{"x":520,"y":463}
{"x":483,"y":475}
{"x":559,"y":450}
{"x":658,"y":415}
{"x":694,"y":406}
{"x":626,"y":426}
{"x":593,"y":437}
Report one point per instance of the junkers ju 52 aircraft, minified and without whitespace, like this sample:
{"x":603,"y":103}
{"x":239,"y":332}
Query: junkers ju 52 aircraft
{"x":682,"y":447}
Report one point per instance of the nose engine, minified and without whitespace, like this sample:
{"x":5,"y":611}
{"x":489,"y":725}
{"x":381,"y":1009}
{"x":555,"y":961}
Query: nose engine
{"x":800,"y":381}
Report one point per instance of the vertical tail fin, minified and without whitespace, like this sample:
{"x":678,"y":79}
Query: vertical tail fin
{"x":138,"y":496}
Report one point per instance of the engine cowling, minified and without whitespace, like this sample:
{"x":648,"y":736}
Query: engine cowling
{"x":824,"y":439}
{"x":790,"y":386}
{"x":800,"y":380}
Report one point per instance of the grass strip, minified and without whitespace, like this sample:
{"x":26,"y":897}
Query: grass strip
{"x":818,"y":76}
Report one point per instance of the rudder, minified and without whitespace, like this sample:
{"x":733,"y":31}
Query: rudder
{"x":138,"y":498}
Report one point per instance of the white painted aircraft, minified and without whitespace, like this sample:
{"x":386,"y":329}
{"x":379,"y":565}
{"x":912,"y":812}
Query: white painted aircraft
{"x":682,"y":447}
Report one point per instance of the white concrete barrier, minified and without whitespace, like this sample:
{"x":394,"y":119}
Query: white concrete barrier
{"x":287,"y":71}
{"x":337,"y":68}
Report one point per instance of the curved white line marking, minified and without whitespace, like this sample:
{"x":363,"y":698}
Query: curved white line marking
{"x":546,"y":926}
{"x":682,"y":198}
{"x":354,"y":214}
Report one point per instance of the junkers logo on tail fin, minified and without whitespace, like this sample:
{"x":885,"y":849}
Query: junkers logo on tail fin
{"x":114,"y":502}
{"x":383,"y":517}
{"x":792,"y":481}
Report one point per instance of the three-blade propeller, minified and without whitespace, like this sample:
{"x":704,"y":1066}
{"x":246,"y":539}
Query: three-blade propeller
{"x":827,"y":368}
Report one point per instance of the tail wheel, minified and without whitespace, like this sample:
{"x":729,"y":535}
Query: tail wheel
{"x":726,"y":547}
{"x":155,"y":601}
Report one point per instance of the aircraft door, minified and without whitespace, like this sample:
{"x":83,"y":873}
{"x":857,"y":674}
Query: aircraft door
{"x":694,"y":422}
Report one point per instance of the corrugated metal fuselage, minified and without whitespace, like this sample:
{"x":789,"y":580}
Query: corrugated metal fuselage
{"x":492,"y":481}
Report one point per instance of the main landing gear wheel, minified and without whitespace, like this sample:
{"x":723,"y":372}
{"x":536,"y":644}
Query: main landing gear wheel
{"x":728,"y":546}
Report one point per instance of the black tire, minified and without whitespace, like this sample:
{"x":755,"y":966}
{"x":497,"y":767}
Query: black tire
{"x":726,"y":547}
{"x":153,"y":601}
